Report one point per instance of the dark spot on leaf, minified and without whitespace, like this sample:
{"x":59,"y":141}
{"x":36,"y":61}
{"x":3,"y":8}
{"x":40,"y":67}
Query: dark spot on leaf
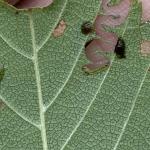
{"x":120,"y":48}
{"x":87,"y":27}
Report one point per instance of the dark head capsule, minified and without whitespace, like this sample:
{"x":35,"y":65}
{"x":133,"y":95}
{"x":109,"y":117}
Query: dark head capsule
{"x":87,"y":27}
{"x":120,"y":48}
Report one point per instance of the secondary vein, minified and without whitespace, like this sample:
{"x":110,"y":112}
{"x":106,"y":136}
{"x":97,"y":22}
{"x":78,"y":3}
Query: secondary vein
{"x":15,"y":49}
{"x":131,"y":110}
{"x":20,"y":115}
{"x":58,"y":19}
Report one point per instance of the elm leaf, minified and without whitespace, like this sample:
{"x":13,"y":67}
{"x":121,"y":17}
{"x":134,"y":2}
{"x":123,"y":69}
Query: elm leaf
{"x":49,"y":103}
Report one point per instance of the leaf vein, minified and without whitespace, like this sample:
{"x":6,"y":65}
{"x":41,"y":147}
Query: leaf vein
{"x":87,"y":110}
{"x":66,"y":81}
{"x":59,"y":17}
{"x":39,"y":88}
{"x":131,"y":110}
{"x":92,"y":101}
{"x":17,"y":51}
{"x":24,"y":118}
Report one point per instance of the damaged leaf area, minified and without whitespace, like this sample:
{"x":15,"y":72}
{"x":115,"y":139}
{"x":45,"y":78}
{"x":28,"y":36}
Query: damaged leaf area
{"x":145,"y":10}
{"x":48,"y":103}
{"x":108,"y":42}
{"x":145,"y":48}
{"x":59,"y":30}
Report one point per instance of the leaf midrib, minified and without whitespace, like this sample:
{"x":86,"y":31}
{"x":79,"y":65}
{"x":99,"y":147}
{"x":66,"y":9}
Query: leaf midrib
{"x":38,"y":79}
{"x":38,"y":82}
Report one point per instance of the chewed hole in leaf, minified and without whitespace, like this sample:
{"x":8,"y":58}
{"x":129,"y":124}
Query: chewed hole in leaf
{"x":108,"y":42}
{"x":145,"y":48}
{"x":60,"y":29}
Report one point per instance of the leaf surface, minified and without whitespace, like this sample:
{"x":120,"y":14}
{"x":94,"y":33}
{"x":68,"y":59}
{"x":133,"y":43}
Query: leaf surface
{"x":49,"y":103}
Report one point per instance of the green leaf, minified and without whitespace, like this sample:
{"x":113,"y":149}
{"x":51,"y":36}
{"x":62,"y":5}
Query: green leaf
{"x":49,"y":103}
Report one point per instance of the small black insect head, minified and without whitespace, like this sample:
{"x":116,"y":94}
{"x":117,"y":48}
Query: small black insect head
{"x":87,"y":27}
{"x":120,"y":48}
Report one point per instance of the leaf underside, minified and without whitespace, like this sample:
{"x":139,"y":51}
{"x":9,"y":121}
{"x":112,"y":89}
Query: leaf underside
{"x":48,"y":103}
